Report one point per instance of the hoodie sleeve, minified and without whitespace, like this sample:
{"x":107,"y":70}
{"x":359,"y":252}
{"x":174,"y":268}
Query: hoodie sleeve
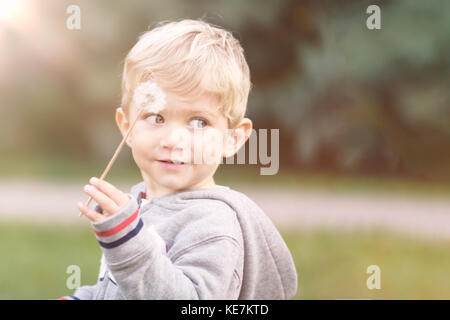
{"x":206,"y":267}
{"x":82,"y":293}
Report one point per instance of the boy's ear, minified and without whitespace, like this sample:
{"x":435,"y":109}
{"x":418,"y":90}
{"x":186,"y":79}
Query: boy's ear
{"x":237,"y":137}
{"x":123,"y":123}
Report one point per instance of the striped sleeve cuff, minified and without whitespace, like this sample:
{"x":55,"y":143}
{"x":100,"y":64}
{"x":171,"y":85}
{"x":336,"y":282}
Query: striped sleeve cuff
{"x":69,"y":298}
{"x":119,"y":228}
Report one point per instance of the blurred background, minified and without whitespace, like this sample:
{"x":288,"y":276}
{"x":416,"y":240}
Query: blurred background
{"x":364,"y":128}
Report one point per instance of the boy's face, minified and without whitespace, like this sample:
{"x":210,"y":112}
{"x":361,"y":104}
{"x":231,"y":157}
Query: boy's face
{"x":192,"y":132}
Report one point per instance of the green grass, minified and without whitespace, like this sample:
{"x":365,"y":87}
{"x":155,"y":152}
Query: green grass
{"x":330,"y":264}
{"x":34,"y":259}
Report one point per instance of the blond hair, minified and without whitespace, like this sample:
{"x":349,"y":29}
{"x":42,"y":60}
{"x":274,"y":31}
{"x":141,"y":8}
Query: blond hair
{"x":190,"y":58}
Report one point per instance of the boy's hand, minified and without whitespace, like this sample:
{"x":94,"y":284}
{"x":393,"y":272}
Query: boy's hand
{"x":108,"y":197}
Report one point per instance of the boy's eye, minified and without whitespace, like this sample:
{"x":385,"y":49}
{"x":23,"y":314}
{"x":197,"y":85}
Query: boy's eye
{"x":155,"y":118}
{"x":198,"y":123}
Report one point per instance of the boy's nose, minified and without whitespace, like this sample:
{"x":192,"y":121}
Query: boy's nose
{"x":175,"y":138}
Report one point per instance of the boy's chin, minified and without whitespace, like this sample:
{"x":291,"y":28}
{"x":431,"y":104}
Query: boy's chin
{"x":173,"y":184}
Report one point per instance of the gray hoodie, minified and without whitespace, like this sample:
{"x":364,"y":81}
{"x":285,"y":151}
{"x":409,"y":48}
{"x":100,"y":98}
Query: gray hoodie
{"x":211,"y":243}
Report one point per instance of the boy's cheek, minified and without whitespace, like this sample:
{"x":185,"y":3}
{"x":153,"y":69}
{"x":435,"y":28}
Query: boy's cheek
{"x":229,"y":144}
{"x":212,"y":146}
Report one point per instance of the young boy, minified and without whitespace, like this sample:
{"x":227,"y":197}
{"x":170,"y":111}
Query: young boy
{"x":178,"y":235}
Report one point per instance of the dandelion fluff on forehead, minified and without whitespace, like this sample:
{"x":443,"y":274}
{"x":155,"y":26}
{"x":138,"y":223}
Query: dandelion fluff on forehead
{"x":150,"y":97}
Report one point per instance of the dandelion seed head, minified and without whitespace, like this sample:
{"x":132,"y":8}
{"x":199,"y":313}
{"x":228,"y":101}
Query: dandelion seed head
{"x":149,"y":96}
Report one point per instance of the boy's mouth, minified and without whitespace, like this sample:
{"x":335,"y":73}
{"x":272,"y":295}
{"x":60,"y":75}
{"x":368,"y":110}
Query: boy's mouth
{"x":173,"y":161}
{"x":172,"y":164}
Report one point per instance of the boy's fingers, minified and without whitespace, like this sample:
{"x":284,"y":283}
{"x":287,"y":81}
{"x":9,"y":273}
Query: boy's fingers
{"x":92,"y":215}
{"x":107,"y":204}
{"x":120,"y":198}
